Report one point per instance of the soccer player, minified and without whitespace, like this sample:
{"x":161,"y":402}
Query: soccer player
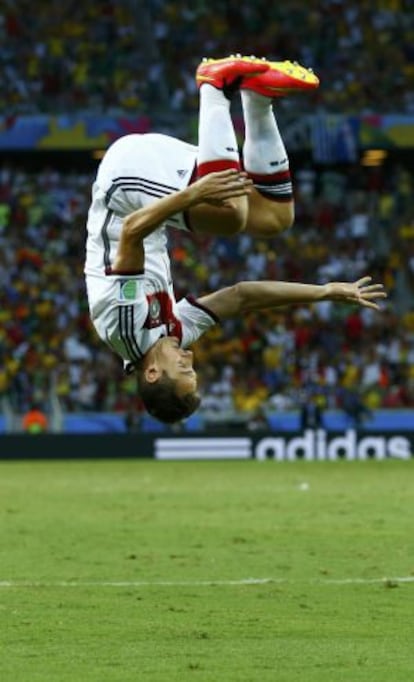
{"x":148,"y":183}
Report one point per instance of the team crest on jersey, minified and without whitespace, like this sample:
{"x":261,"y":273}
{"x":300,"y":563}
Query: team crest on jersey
{"x":128,"y":290}
{"x":154,"y":308}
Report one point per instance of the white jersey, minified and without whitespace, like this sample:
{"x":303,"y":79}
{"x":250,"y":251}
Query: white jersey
{"x":131,"y":311}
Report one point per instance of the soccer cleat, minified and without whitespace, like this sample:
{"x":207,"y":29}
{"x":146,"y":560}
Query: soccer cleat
{"x":226,"y":74}
{"x":281,"y":79}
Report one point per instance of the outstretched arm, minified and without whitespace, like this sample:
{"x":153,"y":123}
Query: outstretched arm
{"x":215,"y":188}
{"x":246,"y":297}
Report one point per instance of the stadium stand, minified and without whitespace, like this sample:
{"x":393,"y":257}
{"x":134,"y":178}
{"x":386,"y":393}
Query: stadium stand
{"x":135,"y":56}
{"x":350,"y":219}
{"x":46,"y":341}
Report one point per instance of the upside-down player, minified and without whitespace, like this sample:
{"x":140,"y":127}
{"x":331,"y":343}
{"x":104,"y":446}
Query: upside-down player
{"x":147,"y":183}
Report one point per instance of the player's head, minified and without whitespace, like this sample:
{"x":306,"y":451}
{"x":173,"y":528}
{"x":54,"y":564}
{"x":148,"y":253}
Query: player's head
{"x":168,"y":382}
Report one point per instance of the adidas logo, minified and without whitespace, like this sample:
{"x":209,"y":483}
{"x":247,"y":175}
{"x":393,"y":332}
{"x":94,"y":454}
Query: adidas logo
{"x":182,"y":172}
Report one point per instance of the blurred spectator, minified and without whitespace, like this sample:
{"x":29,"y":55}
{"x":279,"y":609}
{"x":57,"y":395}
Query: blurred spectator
{"x":311,"y":413}
{"x":35,"y":421}
{"x":133,"y":420}
{"x":354,"y":407}
{"x":258,"y":421}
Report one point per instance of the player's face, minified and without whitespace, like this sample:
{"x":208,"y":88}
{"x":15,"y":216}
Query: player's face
{"x":178,"y":364}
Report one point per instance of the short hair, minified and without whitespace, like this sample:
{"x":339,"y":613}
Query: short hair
{"x":162,"y":402}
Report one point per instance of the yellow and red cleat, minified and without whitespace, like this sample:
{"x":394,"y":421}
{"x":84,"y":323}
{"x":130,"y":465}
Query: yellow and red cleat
{"x":281,"y":78}
{"x":227,"y":74}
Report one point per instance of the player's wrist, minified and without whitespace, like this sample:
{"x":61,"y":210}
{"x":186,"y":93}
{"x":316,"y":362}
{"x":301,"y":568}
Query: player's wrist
{"x":327,"y":291}
{"x":188,"y":196}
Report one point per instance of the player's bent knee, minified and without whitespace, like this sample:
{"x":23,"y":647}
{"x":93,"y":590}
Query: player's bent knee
{"x":286,"y":217}
{"x":271,"y":220}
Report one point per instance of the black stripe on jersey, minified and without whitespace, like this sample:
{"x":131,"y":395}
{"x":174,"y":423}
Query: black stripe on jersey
{"x":132,"y":332}
{"x":105,"y":239}
{"x":151,"y":191}
{"x":143,"y":190}
{"x":135,"y":178}
{"x":127,"y":334}
{"x":122,"y":330}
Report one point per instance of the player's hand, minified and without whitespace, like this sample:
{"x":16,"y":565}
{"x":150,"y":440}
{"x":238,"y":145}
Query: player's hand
{"x":218,"y":188}
{"x":361,"y":292}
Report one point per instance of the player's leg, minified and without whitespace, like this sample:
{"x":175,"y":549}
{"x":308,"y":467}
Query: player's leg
{"x":271,"y":206}
{"x":217,"y":142}
{"x":217,"y":150}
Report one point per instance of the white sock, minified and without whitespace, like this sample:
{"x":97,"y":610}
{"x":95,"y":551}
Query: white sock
{"x":264,"y":154}
{"x":263,"y":151}
{"x":217,"y":142}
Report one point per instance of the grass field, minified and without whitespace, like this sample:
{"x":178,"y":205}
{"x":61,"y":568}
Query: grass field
{"x":219,"y":571}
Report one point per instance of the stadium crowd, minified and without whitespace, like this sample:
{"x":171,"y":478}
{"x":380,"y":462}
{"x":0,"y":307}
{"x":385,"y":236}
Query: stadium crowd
{"x":130,"y":56}
{"x":349,"y":222}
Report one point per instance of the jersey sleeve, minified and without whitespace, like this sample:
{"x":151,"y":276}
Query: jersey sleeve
{"x":195,"y":318}
{"x":123,"y":197}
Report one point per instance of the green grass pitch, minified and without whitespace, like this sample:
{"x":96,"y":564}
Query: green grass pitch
{"x":134,"y":570}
